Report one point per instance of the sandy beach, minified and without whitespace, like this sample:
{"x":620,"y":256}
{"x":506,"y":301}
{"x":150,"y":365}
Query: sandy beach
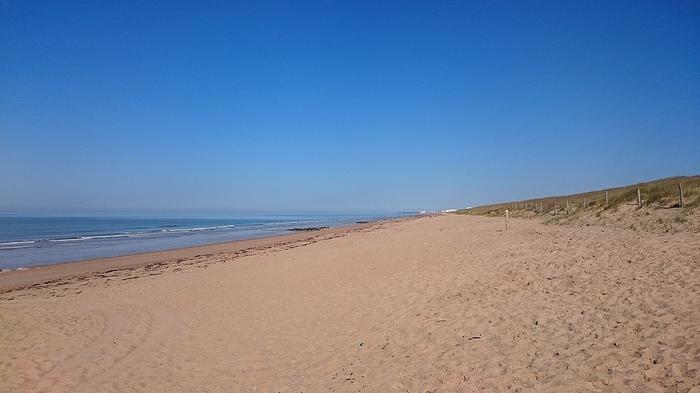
{"x":446,"y":303}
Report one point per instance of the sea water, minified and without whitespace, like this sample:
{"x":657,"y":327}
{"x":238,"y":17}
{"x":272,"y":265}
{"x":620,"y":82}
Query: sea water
{"x":32,"y":241}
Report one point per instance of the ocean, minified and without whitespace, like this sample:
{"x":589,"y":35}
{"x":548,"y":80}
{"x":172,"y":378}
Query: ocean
{"x":33,"y":241}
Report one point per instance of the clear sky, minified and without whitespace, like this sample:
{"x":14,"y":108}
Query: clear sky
{"x":340,"y":106}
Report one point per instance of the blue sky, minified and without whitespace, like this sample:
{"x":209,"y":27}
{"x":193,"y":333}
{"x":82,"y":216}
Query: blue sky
{"x":340,"y":106}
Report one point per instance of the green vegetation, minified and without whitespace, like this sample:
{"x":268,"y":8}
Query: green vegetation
{"x":658,"y":194}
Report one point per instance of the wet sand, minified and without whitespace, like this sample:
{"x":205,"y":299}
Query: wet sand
{"x":447,"y":303}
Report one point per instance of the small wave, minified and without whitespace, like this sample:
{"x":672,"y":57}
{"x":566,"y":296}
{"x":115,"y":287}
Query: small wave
{"x":17,"y":242}
{"x":63,"y":239}
{"x":93,"y":237}
{"x":104,"y":236}
{"x":198,"y":228}
{"x":134,"y":234}
{"x":13,"y":247}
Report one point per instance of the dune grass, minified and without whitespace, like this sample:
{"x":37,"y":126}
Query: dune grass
{"x":657,"y":194}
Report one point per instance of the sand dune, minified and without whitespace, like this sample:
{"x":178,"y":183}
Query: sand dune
{"x":437,"y":304}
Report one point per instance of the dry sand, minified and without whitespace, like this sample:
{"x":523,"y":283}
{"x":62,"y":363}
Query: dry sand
{"x":437,"y":304}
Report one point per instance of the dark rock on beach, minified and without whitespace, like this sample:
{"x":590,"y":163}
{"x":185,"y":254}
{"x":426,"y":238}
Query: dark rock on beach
{"x":306,"y":229}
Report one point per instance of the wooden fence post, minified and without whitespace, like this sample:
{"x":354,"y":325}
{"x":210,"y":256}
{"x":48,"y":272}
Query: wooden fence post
{"x":606,"y":198}
{"x":506,"y":219}
{"x":567,"y":206}
{"x":639,"y":198}
{"x":680,"y":195}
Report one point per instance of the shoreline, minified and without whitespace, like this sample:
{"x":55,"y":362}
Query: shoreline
{"x":16,"y":279}
{"x":37,"y":241}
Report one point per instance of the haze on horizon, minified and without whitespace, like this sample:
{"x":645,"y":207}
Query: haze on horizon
{"x":330,"y":107}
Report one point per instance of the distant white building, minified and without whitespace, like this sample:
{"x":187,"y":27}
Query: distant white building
{"x":437,"y":211}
